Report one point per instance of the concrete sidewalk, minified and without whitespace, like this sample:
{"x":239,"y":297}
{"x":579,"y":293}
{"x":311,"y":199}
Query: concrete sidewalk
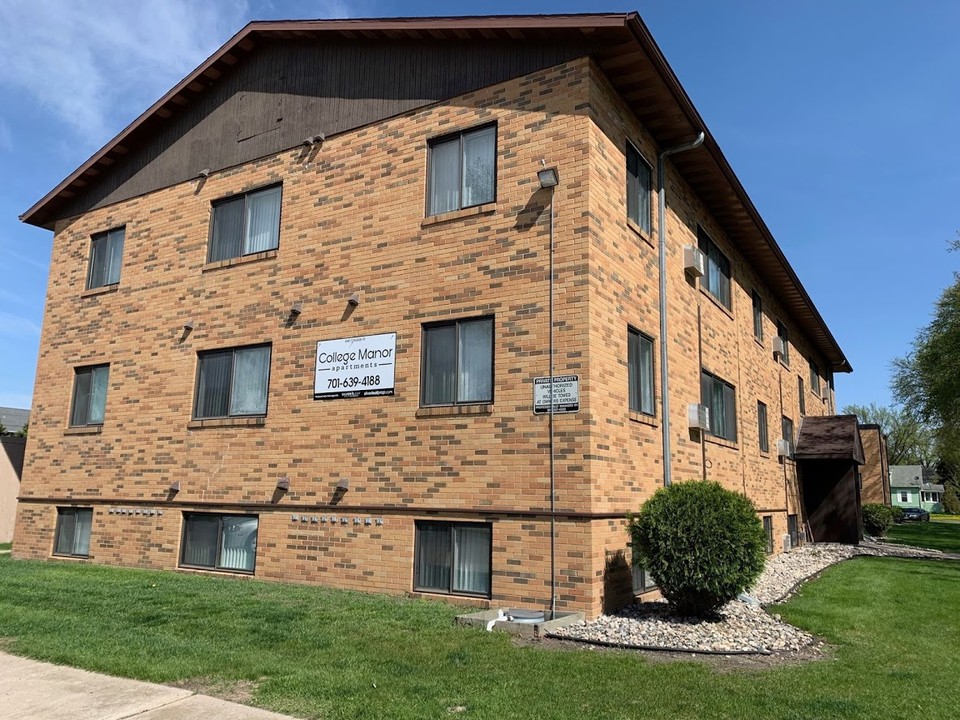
{"x":31,"y":690}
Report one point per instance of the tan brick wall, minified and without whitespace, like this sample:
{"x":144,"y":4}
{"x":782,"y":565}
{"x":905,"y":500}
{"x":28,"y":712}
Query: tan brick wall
{"x":353,"y":221}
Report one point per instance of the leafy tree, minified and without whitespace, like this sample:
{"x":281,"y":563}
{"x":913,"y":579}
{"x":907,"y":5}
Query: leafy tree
{"x":3,"y":430}
{"x":22,"y":432}
{"x":928,"y":378}
{"x":909,"y":440}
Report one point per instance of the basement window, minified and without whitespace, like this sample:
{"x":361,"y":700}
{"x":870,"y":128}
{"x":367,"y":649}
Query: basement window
{"x":72,"y":536}
{"x":232,"y":383}
{"x":462,"y":170}
{"x":768,"y":529}
{"x":219,"y":542}
{"x":452,"y":558}
{"x":245,"y":224}
{"x":106,"y":257}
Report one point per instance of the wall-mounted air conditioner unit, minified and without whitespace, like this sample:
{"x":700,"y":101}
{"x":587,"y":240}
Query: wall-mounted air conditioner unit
{"x":779,"y":347}
{"x":694,"y":261}
{"x":698,"y":416}
{"x":784,"y":448}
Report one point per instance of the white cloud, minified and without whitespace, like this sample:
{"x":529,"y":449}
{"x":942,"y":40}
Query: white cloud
{"x":96,"y":64}
{"x":14,"y":326}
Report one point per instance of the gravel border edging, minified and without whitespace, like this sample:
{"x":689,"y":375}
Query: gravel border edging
{"x":657,"y":648}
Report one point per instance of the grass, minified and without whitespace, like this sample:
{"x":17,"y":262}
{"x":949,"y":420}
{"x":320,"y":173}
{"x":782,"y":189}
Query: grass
{"x":942,"y":517}
{"x":6,"y":546}
{"x":319,"y":653}
{"x":937,"y":535}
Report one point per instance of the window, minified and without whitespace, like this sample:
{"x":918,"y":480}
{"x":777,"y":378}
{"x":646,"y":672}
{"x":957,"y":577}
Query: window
{"x":786,"y":430}
{"x":640,"y":372}
{"x":762,"y":427}
{"x":245,"y":224}
{"x":768,"y":529}
{"x":232,"y":383}
{"x":793,"y":528}
{"x":89,"y":395}
{"x":785,"y":336}
{"x":458,"y":362}
{"x":815,"y":378}
{"x":642,"y":581}
{"x":638,"y":189}
{"x":462,"y":170}
{"x":717,"y":279}
{"x":904,"y":496}
{"x":802,"y":395}
{"x":452,"y":558}
{"x":106,"y":257}
{"x":718,"y":396}
{"x":72,"y":536}
{"x":219,"y":542}
{"x":757,"y":316}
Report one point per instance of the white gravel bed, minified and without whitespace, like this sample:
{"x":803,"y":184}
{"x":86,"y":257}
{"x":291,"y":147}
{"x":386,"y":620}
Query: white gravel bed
{"x":739,"y":626}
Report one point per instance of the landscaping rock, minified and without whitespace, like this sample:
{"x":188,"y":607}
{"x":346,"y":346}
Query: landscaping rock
{"x":739,"y":626}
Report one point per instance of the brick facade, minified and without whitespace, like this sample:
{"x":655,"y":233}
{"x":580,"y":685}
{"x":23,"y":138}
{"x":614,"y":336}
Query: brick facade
{"x":353,"y":221}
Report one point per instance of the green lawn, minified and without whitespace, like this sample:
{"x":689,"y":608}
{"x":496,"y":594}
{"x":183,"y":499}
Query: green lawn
{"x":6,"y":546}
{"x":320,"y":653}
{"x":943,"y":536}
{"x":942,"y":517}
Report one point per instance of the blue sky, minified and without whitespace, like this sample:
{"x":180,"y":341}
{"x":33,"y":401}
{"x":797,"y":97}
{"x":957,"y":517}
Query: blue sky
{"x":838,"y":117}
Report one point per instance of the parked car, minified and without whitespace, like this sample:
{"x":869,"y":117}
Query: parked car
{"x":918,"y":514}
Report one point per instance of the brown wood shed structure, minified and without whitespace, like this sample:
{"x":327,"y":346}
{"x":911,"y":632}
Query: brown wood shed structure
{"x":829,"y":455}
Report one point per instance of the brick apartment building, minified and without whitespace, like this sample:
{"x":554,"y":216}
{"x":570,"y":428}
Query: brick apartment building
{"x":297,"y":309}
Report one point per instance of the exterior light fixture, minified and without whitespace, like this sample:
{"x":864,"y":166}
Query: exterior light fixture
{"x":354,"y":299}
{"x":343,"y":485}
{"x":188,"y":326}
{"x":314,"y":139}
{"x":205,"y":173}
{"x":296,"y":309}
{"x":548,"y":177}
{"x":283,"y":484}
{"x":174,"y":486}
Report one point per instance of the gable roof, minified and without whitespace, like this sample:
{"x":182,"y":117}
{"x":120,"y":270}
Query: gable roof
{"x":625,"y":51}
{"x":914,"y":476}
{"x":13,"y":419}
{"x":830,"y":437}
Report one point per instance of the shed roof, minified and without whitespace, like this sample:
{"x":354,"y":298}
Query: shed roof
{"x":629,"y":57}
{"x":830,"y":437}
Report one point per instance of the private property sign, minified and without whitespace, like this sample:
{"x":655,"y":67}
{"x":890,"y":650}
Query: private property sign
{"x":566,"y":394}
{"x":355,"y":367}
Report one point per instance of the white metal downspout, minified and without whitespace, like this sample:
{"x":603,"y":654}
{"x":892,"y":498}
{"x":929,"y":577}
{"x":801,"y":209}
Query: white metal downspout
{"x":662,"y":232}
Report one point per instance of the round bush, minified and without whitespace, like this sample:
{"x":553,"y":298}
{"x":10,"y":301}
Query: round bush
{"x":702,"y":544}
{"x":896,"y":513}
{"x":877,"y":519}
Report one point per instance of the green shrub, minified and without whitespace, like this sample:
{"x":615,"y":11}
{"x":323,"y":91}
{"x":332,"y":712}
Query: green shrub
{"x":702,"y":544}
{"x":877,"y":519}
{"x":896,"y":513}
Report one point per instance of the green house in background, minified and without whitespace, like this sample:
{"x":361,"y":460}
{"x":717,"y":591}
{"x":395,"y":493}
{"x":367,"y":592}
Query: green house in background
{"x":915,"y":486}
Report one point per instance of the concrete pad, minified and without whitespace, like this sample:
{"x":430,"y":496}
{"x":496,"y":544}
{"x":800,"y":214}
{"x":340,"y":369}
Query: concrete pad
{"x":31,"y":690}
{"x":200,"y":706}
